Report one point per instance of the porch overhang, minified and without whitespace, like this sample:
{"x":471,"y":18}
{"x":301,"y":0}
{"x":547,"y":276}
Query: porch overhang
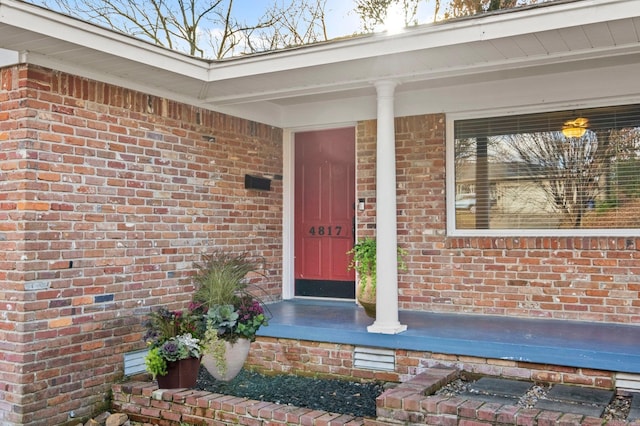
{"x":286,"y":88}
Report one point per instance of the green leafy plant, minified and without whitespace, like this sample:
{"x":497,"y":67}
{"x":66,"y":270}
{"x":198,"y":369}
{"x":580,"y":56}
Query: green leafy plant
{"x":155,"y":363}
{"x":221,"y":277}
{"x":163,"y":324}
{"x":222,"y":318}
{"x":171,"y":336}
{"x":229,"y":309}
{"x":251,"y":317}
{"x":215,"y":347}
{"x":222,"y":295}
{"x":364,"y":260}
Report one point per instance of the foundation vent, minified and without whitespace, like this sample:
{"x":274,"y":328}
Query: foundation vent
{"x":626,"y":381}
{"x":134,"y":362}
{"x":374,"y":358}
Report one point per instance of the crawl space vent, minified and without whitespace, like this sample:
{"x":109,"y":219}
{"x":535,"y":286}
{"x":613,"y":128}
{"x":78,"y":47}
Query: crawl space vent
{"x":374,"y":358}
{"x":627,"y":381}
{"x":134,"y":362}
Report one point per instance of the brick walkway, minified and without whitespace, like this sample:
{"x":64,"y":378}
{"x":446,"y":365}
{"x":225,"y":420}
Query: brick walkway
{"x":564,"y":398}
{"x":492,"y":401}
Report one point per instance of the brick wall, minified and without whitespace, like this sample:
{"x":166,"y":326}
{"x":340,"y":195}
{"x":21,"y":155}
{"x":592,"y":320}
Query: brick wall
{"x":588,"y":279}
{"x":309,"y":358}
{"x":144,"y":402}
{"x":107,"y":197}
{"x":330,"y":360}
{"x":411,"y":402}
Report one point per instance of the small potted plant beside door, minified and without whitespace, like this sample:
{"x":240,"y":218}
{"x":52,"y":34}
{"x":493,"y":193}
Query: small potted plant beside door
{"x":364,"y":263}
{"x":231,"y":313}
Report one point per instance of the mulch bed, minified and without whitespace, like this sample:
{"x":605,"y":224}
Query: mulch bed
{"x":332,"y":395}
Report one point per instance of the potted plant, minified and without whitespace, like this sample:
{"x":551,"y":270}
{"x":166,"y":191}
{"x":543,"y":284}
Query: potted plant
{"x":174,"y":348}
{"x":364,"y":263}
{"x":231,"y":313}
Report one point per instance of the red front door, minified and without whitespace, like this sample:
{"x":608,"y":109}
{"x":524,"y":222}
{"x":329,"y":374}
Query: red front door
{"x":324,"y":212}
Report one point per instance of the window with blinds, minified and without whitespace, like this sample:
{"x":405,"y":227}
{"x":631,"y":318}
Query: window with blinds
{"x":577,"y":169}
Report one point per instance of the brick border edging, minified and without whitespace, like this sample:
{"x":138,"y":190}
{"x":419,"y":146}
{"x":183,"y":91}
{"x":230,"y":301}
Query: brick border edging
{"x":144,"y":402}
{"x":410,"y":402}
{"x":414,"y":402}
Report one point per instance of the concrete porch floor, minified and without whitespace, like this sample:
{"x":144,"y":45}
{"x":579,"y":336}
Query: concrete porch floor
{"x":610,"y":347}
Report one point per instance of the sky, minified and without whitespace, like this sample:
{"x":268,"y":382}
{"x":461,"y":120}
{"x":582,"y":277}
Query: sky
{"x":342,"y":20}
{"x":340,"y":16}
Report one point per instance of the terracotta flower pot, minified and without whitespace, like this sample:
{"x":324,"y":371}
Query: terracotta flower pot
{"x":180,"y":374}
{"x":235,"y":355}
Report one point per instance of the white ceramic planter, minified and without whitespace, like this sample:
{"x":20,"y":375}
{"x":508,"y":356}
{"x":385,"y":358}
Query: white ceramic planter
{"x":235,"y":355}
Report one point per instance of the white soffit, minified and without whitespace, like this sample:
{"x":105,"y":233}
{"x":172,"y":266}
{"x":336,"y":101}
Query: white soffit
{"x":548,"y":38}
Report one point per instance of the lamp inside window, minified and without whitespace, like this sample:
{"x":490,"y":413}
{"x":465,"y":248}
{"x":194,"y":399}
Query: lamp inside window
{"x":575,"y":128}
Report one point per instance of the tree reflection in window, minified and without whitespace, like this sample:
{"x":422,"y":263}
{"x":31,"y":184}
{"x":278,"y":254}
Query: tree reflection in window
{"x":524,"y":173}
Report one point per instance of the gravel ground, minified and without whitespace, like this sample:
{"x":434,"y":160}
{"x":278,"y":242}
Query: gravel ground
{"x":336,"y":396}
{"x":618,"y":409}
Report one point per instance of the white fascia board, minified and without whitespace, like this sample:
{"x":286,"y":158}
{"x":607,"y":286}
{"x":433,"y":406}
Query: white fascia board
{"x":525,"y":94}
{"x":318,"y":114}
{"x":8,"y":57}
{"x":291,"y":92}
{"x":422,"y":38}
{"x":514,"y":64}
{"x":264,"y":112}
{"x":54,"y":25}
{"x":534,"y":19}
{"x":426,"y":76}
{"x":519,"y":94}
{"x":260,"y":112}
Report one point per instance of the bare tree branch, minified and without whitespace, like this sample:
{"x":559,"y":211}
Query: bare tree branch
{"x":203,"y":27}
{"x":374,"y":12}
{"x":569,"y":170}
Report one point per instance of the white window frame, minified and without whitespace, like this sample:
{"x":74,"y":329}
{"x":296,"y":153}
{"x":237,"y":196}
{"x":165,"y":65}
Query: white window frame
{"x":452,"y":231}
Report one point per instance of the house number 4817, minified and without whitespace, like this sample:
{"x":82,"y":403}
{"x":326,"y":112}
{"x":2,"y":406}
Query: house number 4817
{"x":328,"y":231}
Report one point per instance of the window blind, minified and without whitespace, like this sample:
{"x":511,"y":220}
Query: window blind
{"x":577,"y":169}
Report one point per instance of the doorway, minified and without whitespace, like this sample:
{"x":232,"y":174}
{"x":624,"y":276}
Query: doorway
{"x":324,"y":213}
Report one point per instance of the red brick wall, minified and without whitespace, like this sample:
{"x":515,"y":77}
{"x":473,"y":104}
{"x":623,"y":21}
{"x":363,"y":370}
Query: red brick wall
{"x":331,"y":360}
{"x":143,"y":402}
{"x":412,"y":402}
{"x":309,"y":358}
{"x":107,"y":197}
{"x":590,"y":279}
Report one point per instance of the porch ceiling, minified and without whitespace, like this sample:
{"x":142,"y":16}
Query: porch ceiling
{"x":548,"y":38}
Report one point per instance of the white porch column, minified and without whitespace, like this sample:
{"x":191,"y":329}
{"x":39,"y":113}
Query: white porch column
{"x":386,"y":230}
